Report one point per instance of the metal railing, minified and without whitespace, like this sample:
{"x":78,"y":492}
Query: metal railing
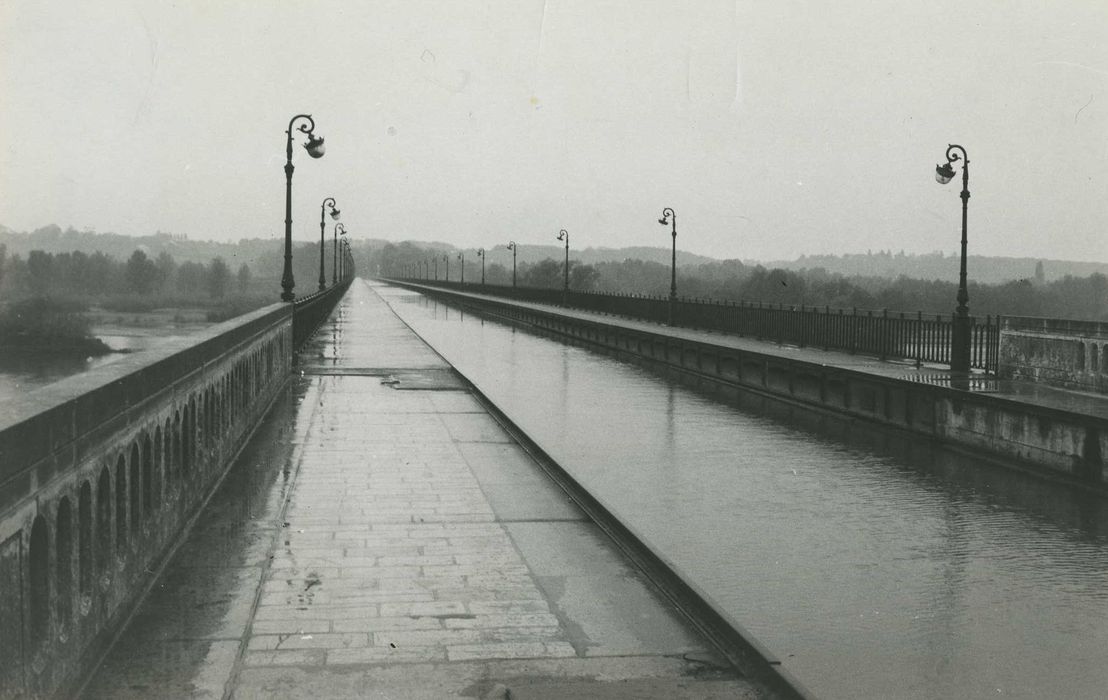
{"x":888,"y":335}
{"x":311,"y":311}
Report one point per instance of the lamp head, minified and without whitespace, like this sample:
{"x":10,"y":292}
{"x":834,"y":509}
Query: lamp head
{"x":562,"y":235}
{"x":315,"y":146}
{"x":944,"y":173}
{"x":664,"y":221}
{"x":335,"y":213}
{"x":512,"y":245}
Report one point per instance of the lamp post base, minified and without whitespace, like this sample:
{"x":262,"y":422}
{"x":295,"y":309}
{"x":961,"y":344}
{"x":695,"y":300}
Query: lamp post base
{"x":960,"y":342}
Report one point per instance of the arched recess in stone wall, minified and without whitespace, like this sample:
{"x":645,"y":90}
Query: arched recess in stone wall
{"x":159,"y":467}
{"x":84,"y":539}
{"x":103,"y":522}
{"x":147,"y":476}
{"x":121,"y":505}
{"x":136,"y":484}
{"x":63,"y":562}
{"x":39,"y":570}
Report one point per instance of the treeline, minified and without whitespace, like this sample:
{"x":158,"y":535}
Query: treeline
{"x":1068,"y":297}
{"x":983,"y":268}
{"x":98,"y":276}
{"x":731,"y":280}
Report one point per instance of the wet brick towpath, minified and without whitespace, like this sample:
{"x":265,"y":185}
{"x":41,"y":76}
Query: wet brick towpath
{"x":383,"y":537}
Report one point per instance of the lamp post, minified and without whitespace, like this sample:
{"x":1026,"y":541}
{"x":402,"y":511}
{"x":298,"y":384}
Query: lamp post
{"x":512,"y":247}
{"x":347,"y":260}
{"x":340,"y":230}
{"x":328,"y":202}
{"x":564,"y":235}
{"x":462,"y":264}
{"x":481,"y":254}
{"x":315,"y":149}
{"x":436,"y":259}
{"x":960,"y":333}
{"x":446,"y":266}
{"x":668,"y":214}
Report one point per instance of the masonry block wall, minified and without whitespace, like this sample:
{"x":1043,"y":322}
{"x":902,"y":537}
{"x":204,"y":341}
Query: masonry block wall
{"x":1067,"y":354}
{"x":100,"y":472}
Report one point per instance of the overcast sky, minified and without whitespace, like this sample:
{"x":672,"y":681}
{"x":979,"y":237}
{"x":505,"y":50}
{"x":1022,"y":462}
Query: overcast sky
{"x":773,"y":127}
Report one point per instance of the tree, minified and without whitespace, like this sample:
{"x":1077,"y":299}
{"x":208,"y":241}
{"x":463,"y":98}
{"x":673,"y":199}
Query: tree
{"x":495,"y":273}
{"x":39,"y":267}
{"x":583,"y":278}
{"x":140,"y":273}
{"x":244,"y":277}
{"x":166,"y":267}
{"x":219,"y":277}
{"x":546,"y":273}
{"x":191,"y":278}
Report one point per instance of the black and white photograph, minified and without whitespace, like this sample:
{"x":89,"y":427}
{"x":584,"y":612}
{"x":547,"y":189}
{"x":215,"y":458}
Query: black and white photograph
{"x":553,"y":349}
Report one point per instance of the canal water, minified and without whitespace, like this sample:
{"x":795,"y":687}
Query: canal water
{"x":872,"y":566}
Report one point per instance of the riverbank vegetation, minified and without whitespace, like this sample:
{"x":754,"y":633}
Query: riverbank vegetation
{"x":134,"y":286}
{"x":47,"y":326}
{"x":48,"y":301}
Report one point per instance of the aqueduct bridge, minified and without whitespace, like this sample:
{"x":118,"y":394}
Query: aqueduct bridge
{"x":101,"y":474}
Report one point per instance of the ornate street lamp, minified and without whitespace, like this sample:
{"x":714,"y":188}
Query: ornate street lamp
{"x":328,"y":202}
{"x":564,"y":235}
{"x":340,"y":230}
{"x":481,"y":254}
{"x":446,"y":259}
{"x":512,"y":247}
{"x":436,"y":259}
{"x":462,"y":259}
{"x":315,"y":149}
{"x":668,"y":214}
{"x":347,"y":260}
{"x":960,"y":335}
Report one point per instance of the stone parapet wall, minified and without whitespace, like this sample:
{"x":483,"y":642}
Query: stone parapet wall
{"x":1062,"y":353}
{"x":101,"y":471}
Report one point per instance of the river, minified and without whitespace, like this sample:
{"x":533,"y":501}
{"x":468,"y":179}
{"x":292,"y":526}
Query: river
{"x":24,"y":372}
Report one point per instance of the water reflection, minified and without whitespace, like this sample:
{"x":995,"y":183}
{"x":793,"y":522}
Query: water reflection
{"x":874,"y":564}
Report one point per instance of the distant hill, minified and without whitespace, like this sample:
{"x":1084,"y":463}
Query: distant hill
{"x":53,"y":239}
{"x":936,"y":266}
{"x":264,"y":255}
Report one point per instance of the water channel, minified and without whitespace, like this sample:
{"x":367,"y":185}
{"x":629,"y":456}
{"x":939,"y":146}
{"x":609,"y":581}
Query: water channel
{"x":873,"y":566}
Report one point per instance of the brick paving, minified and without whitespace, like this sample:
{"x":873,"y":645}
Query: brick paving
{"x":391,"y":552}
